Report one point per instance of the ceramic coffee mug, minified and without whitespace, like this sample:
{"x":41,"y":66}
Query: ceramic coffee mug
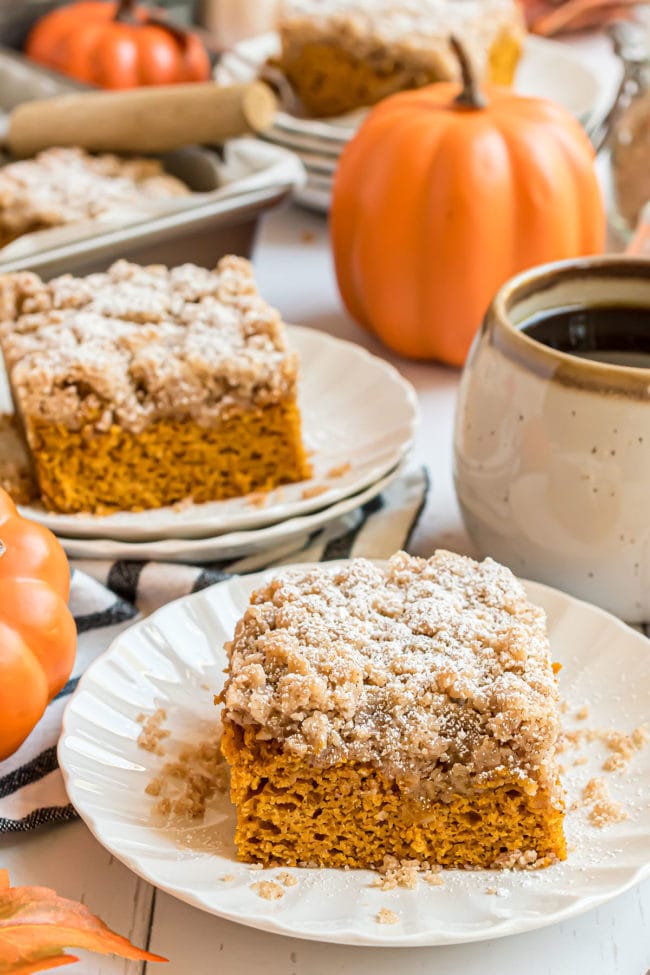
{"x":552,"y":449}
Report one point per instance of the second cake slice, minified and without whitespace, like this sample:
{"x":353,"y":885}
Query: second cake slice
{"x":144,"y":386}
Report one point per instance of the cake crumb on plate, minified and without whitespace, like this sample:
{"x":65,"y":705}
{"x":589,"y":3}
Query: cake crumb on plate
{"x":287,"y":879}
{"x":268,"y":890}
{"x":153,"y":734}
{"x":313,"y":491}
{"x":385,"y":916}
{"x":339,"y":471}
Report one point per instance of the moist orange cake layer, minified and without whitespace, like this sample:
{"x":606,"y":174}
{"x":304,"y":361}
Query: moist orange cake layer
{"x":169,"y":461}
{"x":408,"y":710}
{"x":144,"y":386}
{"x":351,"y":815}
{"x":343,"y":54}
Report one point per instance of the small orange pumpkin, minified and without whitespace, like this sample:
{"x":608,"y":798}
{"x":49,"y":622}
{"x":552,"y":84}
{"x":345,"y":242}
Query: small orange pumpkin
{"x":442,"y":196}
{"x":38,"y":637}
{"x":116,"y":45}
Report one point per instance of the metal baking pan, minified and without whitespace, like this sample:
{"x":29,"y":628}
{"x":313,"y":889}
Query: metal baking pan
{"x":200,"y":232}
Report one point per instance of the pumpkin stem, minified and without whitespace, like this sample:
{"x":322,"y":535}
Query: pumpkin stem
{"x":125,"y":12}
{"x":471,"y":95}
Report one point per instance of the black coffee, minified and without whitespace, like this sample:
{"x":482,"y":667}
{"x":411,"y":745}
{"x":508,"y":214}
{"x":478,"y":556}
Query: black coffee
{"x":619,"y":334}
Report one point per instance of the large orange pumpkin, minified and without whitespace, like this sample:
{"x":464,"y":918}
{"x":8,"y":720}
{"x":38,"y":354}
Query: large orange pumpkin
{"x":116,"y":45}
{"x":441,"y":197}
{"x":37,"y":632}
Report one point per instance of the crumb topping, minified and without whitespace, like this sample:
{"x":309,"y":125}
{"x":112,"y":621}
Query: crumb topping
{"x":66,"y":185}
{"x":386,"y":916}
{"x":435,"y":670}
{"x":604,"y":811}
{"x":623,"y":747}
{"x":497,"y":891}
{"x":339,"y":471}
{"x":287,"y":879}
{"x":418,"y":29}
{"x":136,"y":344}
{"x":153,"y":732}
{"x":187,"y":782}
{"x":524,"y":860}
{"x":268,"y":890}
{"x":313,"y":491}
{"x":405,"y":874}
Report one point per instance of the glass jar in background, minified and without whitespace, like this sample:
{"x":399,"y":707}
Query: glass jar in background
{"x":230,"y":21}
{"x":629,"y":135}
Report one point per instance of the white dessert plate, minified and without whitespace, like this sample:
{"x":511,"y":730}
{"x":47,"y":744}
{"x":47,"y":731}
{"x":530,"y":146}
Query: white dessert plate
{"x":548,"y":69}
{"x":174,"y":660}
{"x":359,"y":420}
{"x":317,"y":198}
{"x":281,"y":537}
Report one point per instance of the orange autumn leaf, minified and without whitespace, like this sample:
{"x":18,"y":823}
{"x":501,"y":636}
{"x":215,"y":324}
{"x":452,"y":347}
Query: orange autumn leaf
{"x":36,"y":925}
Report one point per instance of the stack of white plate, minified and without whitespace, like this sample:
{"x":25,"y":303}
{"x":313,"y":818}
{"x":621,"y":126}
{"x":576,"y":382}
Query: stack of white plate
{"x":359,"y":420}
{"x":548,"y":69}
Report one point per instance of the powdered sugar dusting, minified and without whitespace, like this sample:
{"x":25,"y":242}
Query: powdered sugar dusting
{"x":436,"y":670}
{"x":417,"y":28}
{"x":135,"y":344}
{"x":66,"y":185}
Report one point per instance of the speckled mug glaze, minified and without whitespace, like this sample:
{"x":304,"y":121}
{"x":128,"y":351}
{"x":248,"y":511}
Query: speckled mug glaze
{"x":552,"y":452}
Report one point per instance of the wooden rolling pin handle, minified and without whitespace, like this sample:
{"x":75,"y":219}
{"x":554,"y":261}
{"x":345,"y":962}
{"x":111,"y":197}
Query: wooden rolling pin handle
{"x":144,"y":120}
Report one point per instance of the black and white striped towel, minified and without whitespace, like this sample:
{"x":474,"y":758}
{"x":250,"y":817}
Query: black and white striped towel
{"x":107,"y":597}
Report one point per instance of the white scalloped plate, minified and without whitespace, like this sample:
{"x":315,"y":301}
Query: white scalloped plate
{"x":233,"y":545}
{"x":174,"y":660}
{"x":357,"y":410}
{"x":548,"y":69}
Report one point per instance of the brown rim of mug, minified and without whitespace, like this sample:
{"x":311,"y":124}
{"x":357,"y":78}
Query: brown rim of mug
{"x":562,"y":367}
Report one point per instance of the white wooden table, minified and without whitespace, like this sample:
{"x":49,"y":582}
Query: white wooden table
{"x":295,"y":273}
